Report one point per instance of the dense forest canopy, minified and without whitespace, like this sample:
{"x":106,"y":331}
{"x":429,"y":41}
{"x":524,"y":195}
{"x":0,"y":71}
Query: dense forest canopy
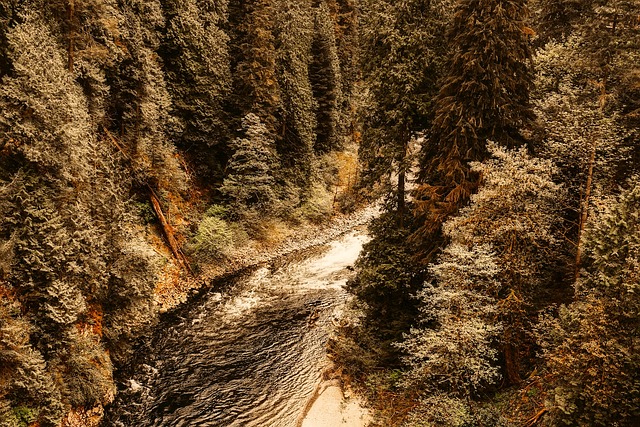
{"x":143,"y":141}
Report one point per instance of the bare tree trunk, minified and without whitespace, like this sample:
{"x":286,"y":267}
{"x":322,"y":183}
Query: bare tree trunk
{"x":71,"y":11}
{"x":167,"y":229}
{"x":584,"y":212}
{"x":402,"y":175}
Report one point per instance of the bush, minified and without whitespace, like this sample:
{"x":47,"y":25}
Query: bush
{"x":213,"y":239}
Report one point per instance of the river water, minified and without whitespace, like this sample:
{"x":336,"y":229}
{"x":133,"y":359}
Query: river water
{"x":250,"y":356}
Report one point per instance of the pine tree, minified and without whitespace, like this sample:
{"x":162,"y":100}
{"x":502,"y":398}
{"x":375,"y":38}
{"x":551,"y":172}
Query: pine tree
{"x":384,"y":287}
{"x":326,"y":79}
{"x":249,"y":183}
{"x":485,"y":95}
{"x":399,"y":85}
{"x":401,"y":59}
{"x":140,"y":101}
{"x":293,"y":35}
{"x":64,"y":217}
{"x":196,"y":59}
{"x":256,"y":89}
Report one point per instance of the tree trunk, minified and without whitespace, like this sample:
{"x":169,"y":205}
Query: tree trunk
{"x":167,"y":229}
{"x":402,"y":173}
{"x":70,"y":16}
{"x":584,"y":212}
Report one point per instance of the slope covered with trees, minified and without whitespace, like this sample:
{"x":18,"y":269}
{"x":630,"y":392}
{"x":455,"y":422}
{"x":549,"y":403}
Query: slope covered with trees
{"x":142,"y":142}
{"x":139,"y":142}
{"x":499,"y":292}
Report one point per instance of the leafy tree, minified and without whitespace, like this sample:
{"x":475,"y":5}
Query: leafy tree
{"x":592,"y":347}
{"x":485,"y":95}
{"x":492,"y":278}
{"x":455,"y":351}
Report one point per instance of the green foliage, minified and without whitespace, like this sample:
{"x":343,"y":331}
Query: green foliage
{"x":592,"y":347}
{"x":384,"y":286}
{"x":401,"y":59}
{"x":196,"y":58}
{"x":250,"y":184}
{"x":325,"y":75}
{"x":442,"y":410}
{"x":86,"y":370}
{"x":25,"y":416}
{"x":488,"y":283}
{"x":213,"y":239}
{"x":484,"y":95}
{"x":255,"y":83}
{"x":294,"y":32}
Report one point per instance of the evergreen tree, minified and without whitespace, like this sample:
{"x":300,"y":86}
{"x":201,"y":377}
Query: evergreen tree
{"x":294,"y":32}
{"x":401,"y":59}
{"x":256,"y":88}
{"x":384,"y":288}
{"x":196,"y":59}
{"x":485,"y":95}
{"x":326,"y":79}
{"x":249,"y":183}
{"x":140,"y":101}
{"x":592,"y":348}
{"x":63,"y":217}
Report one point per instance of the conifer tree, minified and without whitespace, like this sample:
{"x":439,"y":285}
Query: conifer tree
{"x":401,"y":57}
{"x":592,"y":347}
{"x":63,"y":216}
{"x":485,"y":95}
{"x":326,"y":79}
{"x":249,"y":182}
{"x":294,"y":33}
{"x":141,"y":103}
{"x":256,"y":88}
{"x":400,"y":86}
{"x":196,"y":58}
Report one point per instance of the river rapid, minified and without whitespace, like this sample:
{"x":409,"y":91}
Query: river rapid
{"x":249,"y":356}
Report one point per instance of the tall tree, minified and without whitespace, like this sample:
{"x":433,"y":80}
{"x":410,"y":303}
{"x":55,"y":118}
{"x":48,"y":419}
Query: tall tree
{"x":293,"y":35}
{"x":401,"y":59}
{"x":250,"y":182}
{"x":485,"y":95}
{"x":592,"y":347}
{"x":64,"y":216}
{"x":256,"y":88}
{"x":326,"y":80}
{"x":196,"y":59}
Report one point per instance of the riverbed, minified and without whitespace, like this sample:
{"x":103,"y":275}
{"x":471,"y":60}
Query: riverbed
{"x":251,"y":355}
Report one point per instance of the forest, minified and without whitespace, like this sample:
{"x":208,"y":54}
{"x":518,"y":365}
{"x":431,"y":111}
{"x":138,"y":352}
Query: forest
{"x":143,"y":142}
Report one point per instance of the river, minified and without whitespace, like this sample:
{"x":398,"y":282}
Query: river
{"x":249,"y":356}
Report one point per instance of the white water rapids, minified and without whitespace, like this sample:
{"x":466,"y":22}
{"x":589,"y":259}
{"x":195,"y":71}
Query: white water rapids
{"x":251,"y":356}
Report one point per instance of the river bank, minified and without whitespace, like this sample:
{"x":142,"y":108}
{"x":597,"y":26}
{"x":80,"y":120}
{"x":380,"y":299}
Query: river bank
{"x":256,"y":334}
{"x":334,"y":405}
{"x":177,"y":288}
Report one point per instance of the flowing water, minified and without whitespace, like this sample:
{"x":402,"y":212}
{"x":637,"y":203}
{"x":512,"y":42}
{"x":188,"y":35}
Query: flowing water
{"x":250,"y":356}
